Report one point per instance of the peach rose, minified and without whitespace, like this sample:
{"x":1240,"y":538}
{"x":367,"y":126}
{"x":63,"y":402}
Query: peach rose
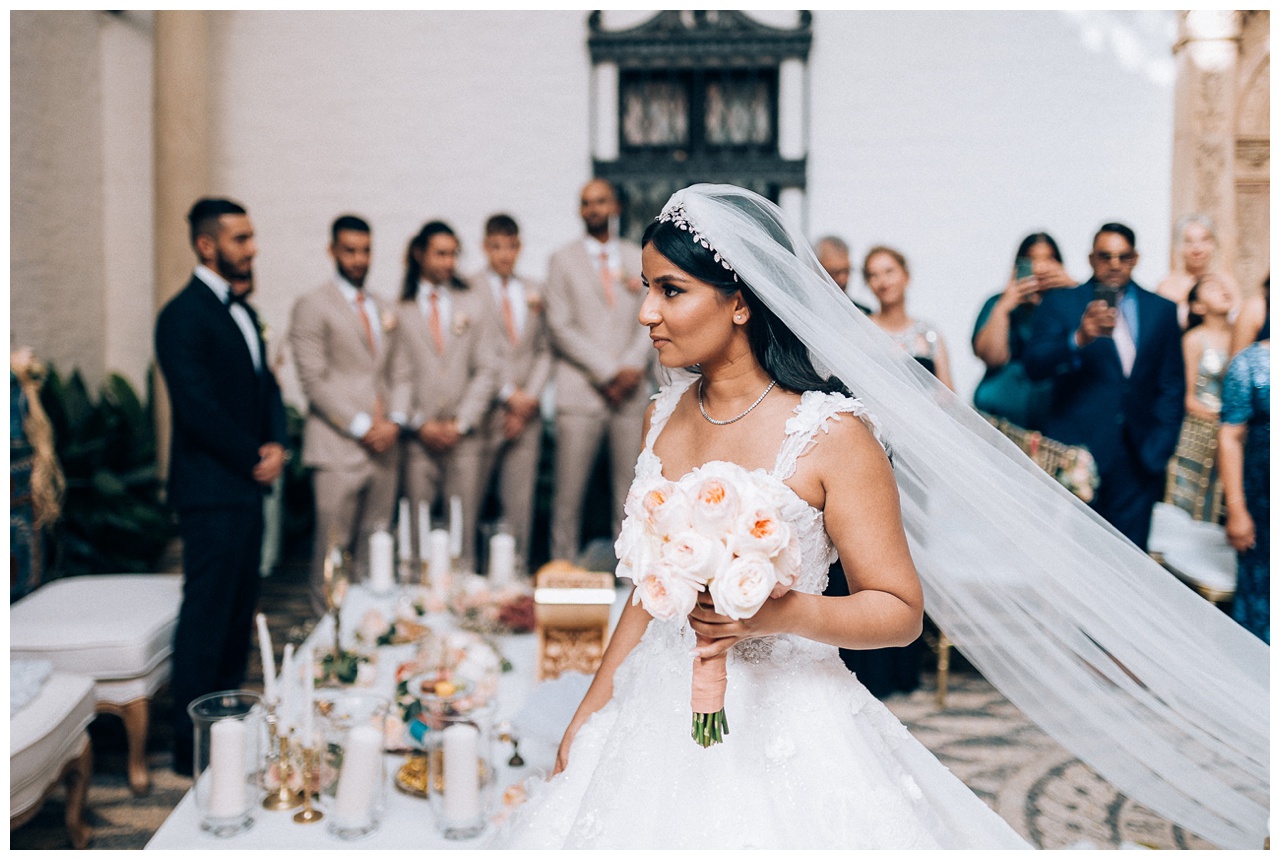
{"x":665,"y":594}
{"x":694,"y":556}
{"x":715,"y":505}
{"x":760,"y":528}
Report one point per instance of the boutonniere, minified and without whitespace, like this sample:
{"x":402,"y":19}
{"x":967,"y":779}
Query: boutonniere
{"x":461,"y":323}
{"x":389,"y":321}
{"x":264,"y":331}
{"x":535,"y":302}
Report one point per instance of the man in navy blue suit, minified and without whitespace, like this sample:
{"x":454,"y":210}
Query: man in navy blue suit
{"x":227,"y":449}
{"x":1114,"y":353}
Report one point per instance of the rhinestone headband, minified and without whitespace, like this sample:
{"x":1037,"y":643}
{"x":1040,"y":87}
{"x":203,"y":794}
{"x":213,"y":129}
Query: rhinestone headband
{"x":676,"y":215}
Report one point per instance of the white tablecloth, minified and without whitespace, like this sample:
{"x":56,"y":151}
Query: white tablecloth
{"x":407,"y":822}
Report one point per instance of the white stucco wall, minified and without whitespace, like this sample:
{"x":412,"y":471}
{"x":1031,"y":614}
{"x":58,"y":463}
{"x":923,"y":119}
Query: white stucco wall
{"x":949,"y":135}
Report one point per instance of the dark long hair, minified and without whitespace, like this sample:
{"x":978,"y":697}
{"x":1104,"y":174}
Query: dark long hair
{"x":1025,"y":246}
{"x":774,"y":346}
{"x":1193,"y":319}
{"x":417,"y":246}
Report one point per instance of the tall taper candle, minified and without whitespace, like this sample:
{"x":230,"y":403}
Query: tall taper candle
{"x":424,"y":528}
{"x":308,"y":698}
{"x":382,"y":574}
{"x":361,"y":776}
{"x":461,"y":773}
{"x":405,"y":532}
{"x":288,"y":690}
{"x":440,"y":562}
{"x":456,"y":525}
{"x":269,"y":692}
{"x":227,"y":790}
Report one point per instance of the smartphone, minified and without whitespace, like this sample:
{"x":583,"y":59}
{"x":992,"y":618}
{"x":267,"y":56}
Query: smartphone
{"x":1105,"y":294}
{"x":1022,"y":268}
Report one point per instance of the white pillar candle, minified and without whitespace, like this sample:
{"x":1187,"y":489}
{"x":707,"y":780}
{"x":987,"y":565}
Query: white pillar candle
{"x":361,"y":775}
{"x":455,"y":526}
{"x":227,"y":789}
{"x":382,"y":574}
{"x":269,"y":692}
{"x":405,"y":531}
{"x":424,"y":528}
{"x":502,"y":560}
{"x":461,"y":772}
{"x":288,"y":679}
{"x":308,"y":698}
{"x":438,"y":547}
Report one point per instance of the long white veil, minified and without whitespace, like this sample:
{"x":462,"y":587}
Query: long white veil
{"x":1149,"y":684}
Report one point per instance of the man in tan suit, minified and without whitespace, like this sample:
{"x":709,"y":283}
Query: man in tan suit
{"x":341,"y":351}
{"x":514,"y":428}
{"x":445,"y":376}
{"x":593,"y":302}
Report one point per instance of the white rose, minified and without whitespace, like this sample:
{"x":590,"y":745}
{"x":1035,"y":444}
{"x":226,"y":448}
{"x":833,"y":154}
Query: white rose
{"x":743,"y":586}
{"x":715,"y":504}
{"x":665,"y":594}
{"x":760,"y":528}
{"x":786,"y":564}
{"x":373,"y":625}
{"x":694,"y":556}
{"x":636,"y":550}
{"x":669,"y":512}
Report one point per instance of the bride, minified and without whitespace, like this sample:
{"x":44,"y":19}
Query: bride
{"x":812,"y":760}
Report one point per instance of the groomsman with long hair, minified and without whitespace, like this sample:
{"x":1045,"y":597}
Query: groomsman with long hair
{"x":445,"y":374}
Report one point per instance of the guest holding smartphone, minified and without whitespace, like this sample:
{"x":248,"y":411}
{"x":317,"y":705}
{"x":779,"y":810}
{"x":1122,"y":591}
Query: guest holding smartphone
{"x":1003,"y":330}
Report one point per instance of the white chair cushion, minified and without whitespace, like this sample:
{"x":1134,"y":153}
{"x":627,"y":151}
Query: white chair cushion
{"x":109,"y":627}
{"x":1196,"y":552}
{"x":45,"y":735}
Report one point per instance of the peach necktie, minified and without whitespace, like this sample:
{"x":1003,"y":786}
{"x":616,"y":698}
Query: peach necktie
{"x":606,"y":279}
{"x":508,"y":316}
{"x":437,"y":334}
{"x":368,"y":328}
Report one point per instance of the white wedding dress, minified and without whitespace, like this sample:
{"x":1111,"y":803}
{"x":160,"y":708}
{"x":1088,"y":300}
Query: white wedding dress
{"x":811,"y":760}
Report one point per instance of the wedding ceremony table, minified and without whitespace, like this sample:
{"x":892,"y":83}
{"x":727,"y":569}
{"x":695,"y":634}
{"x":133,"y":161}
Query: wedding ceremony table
{"x":407,"y":821}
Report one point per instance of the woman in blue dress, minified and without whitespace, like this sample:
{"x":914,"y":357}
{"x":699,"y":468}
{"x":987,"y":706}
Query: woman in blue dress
{"x":1244,"y":459}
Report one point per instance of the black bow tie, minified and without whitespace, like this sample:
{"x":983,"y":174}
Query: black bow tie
{"x":234,"y":298}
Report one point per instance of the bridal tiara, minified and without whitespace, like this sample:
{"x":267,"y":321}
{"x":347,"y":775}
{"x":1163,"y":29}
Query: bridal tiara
{"x":674,"y":212}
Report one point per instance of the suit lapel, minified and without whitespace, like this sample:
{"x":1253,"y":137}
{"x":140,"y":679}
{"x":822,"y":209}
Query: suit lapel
{"x":227,"y":328}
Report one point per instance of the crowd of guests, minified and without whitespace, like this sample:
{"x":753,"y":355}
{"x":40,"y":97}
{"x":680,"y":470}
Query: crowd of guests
{"x":437,"y":397}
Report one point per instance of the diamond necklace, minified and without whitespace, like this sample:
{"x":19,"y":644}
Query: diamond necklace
{"x":739,"y":417}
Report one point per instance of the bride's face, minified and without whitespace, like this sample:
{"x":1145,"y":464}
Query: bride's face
{"x":690,"y":321}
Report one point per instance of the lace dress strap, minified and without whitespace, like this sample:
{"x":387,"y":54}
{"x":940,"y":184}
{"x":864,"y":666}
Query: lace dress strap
{"x":811,"y":416}
{"x":664,"y":404}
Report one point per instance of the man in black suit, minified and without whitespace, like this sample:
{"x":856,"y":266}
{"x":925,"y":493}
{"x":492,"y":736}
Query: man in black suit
{"x":1114,"y":353}
{"x":227,"y":449}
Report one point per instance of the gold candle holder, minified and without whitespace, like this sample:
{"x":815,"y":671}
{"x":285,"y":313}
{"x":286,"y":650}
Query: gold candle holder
{"x":310,"y":785}
{"x":282,"y":797}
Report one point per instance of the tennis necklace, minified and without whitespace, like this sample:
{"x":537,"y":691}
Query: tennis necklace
{"x":739,"y":417}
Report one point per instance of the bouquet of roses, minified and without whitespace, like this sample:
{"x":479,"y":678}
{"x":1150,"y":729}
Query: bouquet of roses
{"x":718,"y":529}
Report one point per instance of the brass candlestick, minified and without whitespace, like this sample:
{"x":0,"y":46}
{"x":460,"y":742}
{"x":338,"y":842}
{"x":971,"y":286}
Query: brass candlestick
{"x":310,"y":785}
{"x":337,"y":579}
{"x":281,"y":797}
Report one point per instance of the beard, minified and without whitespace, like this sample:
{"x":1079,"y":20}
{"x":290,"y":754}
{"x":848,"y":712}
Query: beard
{"x":351,"y":277}
{"x":233,"y":271}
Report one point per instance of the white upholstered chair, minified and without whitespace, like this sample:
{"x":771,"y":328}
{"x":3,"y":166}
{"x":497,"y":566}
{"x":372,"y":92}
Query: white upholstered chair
{"x":115,"y":628}
{"x":48,"y":745}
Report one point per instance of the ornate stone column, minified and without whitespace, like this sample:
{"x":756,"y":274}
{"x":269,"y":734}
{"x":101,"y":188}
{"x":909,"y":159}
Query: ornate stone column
{"x":1207,"y":56}
{"x":183,"y":162}
{"x":1253,"y":152}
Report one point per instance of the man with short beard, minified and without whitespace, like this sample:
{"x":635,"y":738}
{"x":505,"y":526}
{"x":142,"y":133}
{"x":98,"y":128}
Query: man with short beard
{"x":227,"y":449}
{"x":340,"y":349}
{"x":603,"y":355}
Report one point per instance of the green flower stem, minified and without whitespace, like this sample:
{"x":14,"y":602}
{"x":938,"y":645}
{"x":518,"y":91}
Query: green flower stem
{"x":709,"y":729}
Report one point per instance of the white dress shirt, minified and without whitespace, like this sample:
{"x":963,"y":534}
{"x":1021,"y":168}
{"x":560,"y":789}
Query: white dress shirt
{"x":596,"y":249}
{"x":221,"y":288}
{"x":363,"y":421}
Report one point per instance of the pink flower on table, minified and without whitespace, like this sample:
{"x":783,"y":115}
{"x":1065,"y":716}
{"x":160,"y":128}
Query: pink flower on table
{"x":665,"y":594}
{"x":743,"y":587}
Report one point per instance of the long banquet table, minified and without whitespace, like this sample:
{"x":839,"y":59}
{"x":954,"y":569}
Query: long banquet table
{"x":407,"y":821}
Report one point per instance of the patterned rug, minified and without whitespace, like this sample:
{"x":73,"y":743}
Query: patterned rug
{"x":1048,"y":795}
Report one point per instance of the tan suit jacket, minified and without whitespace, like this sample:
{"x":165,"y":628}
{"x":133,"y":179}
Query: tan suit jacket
{"x":461,"y":383}
{"x":526,"y":365}
{"x":593,"y":341}
{"x":339,"y":373}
